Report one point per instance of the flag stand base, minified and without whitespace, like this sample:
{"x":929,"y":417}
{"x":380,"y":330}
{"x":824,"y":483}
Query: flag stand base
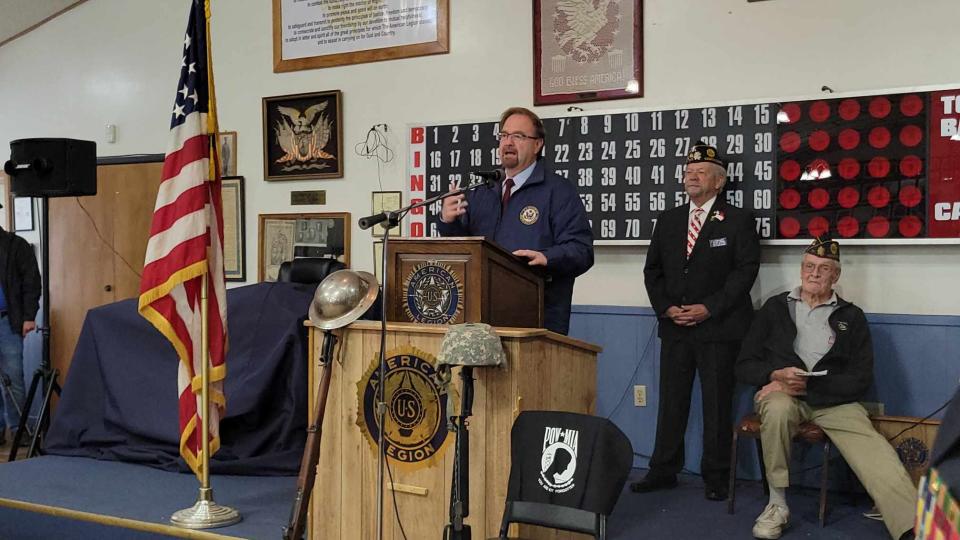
{"x":205,"y":514}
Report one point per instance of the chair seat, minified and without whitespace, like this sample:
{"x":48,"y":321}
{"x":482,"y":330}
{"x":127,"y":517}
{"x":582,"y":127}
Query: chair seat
{"x":807,"y":431}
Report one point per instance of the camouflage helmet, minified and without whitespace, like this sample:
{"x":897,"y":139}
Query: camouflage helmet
{"x":471,"y":344}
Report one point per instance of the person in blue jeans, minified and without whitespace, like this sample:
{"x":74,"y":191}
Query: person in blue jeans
{"x":19,"y":303}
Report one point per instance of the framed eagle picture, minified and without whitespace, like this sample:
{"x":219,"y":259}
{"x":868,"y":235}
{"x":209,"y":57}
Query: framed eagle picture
{"x":303,"y":136}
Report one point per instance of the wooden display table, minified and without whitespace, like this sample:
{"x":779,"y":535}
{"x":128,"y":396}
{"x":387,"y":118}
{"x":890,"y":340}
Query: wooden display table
{"x":912,"y":439}
{"x":544,"y":371}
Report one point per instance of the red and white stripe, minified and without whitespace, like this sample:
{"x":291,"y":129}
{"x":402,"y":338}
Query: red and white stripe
{"x":188,"y":218}
{"x":693,"y":232}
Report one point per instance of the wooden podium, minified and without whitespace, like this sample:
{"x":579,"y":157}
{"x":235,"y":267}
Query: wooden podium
{"x":455,"y":280}
{"x":544,"y":370}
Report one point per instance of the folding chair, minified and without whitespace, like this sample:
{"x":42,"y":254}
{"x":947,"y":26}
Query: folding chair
{"x":566,"y":472}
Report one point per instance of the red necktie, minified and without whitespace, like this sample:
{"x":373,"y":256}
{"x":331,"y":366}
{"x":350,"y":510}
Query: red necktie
{"x":507,"y":188}
{"x":694,"y":230}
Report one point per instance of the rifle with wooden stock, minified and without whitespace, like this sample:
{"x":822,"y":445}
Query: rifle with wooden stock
{"x":311,"y":453}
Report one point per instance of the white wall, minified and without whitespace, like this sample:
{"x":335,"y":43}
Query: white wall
{"x":116,"y":61}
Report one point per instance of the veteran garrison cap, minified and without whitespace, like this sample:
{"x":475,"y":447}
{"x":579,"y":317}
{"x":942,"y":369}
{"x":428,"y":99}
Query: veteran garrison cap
{"x":825,"y":247}
{"x":704,"y":153}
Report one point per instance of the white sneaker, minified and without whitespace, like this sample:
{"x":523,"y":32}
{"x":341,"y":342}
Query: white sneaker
{"x":771,"y":522}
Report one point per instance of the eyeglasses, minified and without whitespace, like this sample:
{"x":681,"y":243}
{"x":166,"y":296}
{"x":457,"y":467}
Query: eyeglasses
{"x":515,"y":137}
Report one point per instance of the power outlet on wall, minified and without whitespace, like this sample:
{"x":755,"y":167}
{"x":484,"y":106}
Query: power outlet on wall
{"x":640,"y":395}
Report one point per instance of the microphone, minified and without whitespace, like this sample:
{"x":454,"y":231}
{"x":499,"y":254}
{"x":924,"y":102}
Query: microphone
{"x":369,"y":221}
{"x":491,"y":177}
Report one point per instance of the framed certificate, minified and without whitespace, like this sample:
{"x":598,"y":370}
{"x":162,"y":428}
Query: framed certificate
{"x":384,"y":201}
{"x":234,"y":233}
{"x":309,"y":35}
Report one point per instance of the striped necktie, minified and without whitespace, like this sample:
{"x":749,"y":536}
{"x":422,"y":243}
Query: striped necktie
{"x":694,"y":231}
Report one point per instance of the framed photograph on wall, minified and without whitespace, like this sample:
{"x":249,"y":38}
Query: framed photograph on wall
{"x":302,"y":136}
{"x":23,"y":214}
{"x":308,"y":35}
{"x":227,"y":144}
{"x":284,"y":237}
{"x":383,"y":201}
{"x":587,"y":51}
{"x":234,"y":232}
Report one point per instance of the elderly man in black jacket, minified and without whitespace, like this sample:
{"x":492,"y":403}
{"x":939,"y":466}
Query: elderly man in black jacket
{"x":810,"y":353}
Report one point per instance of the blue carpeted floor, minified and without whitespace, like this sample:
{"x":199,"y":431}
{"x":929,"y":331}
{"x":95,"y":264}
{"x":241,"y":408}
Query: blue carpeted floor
{"x":135,"y":492}
{"x":684,"y":514}
{"x":151,"y":496}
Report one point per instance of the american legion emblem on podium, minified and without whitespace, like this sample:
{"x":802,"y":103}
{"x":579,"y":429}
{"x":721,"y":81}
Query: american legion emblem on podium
{"x":415,"y":427}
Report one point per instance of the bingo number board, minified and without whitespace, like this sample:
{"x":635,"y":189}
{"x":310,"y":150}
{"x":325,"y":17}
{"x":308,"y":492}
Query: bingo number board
{"x":873,"y":168}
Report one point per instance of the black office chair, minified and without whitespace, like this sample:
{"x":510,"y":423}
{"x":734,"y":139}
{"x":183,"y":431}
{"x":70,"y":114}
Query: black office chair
{"x":308,"y":269}
{"x":567,"y":471}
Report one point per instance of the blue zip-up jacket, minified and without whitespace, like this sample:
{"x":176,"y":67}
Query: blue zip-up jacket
{"x":560,"y":231}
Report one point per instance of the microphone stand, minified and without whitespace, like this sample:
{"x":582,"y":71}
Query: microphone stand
{"x":456,"y":529}
{"x":392,"y":219}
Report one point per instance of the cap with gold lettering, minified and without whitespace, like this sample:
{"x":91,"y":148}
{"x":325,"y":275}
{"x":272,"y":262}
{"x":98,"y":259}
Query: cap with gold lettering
{"x":704,"y":153}
{"x":824,"y":247}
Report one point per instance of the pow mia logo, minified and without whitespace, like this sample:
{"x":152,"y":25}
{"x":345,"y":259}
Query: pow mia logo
{"x":558,"y":463}
{"x":842,"y":326}
{"x":529,"y":215}
{"x":434,"y":293}
{"x":415,"y":429}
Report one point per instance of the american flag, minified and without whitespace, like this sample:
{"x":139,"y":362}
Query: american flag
{"x":187,"y":220}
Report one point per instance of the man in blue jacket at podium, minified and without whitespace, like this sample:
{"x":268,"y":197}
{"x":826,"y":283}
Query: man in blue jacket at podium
{"x":535,"y":214}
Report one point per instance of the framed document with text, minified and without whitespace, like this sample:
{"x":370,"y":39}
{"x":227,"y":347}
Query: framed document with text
{"x":587,"y":51}
{"x":234,"y":234}
{"x":385,"y":201}
{"x":308,"y":35}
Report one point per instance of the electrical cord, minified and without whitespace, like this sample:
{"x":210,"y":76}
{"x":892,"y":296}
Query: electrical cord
{"x":393,"y":493}
{"x":375,"y":145}
{"x":630,"y":381}
{"x":922,"y":420}
{"x":626,"y":391}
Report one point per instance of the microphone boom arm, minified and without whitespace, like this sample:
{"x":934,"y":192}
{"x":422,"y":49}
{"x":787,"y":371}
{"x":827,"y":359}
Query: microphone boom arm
{"x":393,"y":217}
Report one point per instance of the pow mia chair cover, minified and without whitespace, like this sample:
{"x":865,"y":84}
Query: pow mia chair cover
{"x":568,"y":459}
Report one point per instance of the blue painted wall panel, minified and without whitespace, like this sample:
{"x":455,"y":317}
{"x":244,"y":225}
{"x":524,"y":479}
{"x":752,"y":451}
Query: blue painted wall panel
{"x":917,"y":367}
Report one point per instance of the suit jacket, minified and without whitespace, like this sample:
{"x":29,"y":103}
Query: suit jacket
{"x":719,"y":273}
{"x":561,"y":232}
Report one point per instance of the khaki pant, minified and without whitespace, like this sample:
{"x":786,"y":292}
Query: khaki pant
{"x":868,"y":453}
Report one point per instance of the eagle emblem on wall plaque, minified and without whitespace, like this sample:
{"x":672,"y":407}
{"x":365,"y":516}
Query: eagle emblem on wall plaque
{"x":303,"y":136}
{"x":433,"y":293}
{"x":585,"y":29}
{"x":415,"y":427}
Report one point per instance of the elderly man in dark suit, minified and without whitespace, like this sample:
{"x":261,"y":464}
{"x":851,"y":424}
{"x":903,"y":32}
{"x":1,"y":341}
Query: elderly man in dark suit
{"x":701,"y":264}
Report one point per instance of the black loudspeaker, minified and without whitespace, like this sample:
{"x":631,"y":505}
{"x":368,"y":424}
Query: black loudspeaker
{"x":52,"y":167}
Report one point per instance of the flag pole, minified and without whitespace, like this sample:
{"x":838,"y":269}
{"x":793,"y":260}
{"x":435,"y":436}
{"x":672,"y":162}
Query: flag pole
{"x":205,"y":513}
